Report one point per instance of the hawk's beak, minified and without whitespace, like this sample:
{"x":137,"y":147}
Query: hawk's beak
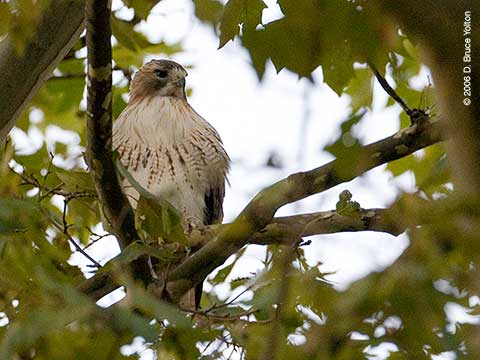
{"x":181,"y":82}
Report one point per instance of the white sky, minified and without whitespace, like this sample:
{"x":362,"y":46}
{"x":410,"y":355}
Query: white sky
{"x":255,"y":119}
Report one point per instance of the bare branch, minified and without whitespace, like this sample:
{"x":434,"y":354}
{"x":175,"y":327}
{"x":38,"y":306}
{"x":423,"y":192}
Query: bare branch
{"x":389,"y":90}
{"x":45,"y":191}
{"x":71,"y":239}
{"x":416,"y":115}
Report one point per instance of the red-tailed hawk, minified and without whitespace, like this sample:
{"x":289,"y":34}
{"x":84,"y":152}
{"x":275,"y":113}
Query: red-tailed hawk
{"x":170,"y":150}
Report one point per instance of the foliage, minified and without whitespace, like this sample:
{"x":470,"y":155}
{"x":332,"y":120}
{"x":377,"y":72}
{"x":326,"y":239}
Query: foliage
{"x":286,"y":310}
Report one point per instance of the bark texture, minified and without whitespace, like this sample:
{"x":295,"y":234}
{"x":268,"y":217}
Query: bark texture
{"x":21,"y":75}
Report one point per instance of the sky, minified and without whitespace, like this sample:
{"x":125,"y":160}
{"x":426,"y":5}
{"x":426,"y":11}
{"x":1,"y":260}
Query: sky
{"x":291,"y":118}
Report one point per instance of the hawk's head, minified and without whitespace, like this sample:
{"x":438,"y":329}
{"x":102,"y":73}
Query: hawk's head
{"x":159,"y":78}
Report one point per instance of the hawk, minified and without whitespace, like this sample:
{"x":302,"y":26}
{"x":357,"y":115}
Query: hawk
{"x":170,"y":150}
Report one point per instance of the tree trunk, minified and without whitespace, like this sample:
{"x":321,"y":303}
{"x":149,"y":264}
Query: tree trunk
{"x":21,"y":75}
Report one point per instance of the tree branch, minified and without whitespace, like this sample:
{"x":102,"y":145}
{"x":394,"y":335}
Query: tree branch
{"x":115,"y":206}
{"x":260,"y":211}
{"x":280,"y":231}
{"x":389,"y":90}
{"x":258,"y":214}
{"x":256,"y":223}
{"x":21,"y":75}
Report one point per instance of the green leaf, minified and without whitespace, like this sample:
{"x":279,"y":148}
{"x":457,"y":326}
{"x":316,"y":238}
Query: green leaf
{"x":75,"y":181}
{"x":19,"y":215}
{"x":128,"y":255}
{"x":139,"y":326}
{"x":209,"y":11}
{"x":347,"y":147}
{"x":398,"y":167}
{"x":338,"y":70}
{"x":345,"y":206}
{"x":60,"y":95}
{"x":40,"y":323}
{"x":142,"y":7}
{"x":159,"y":309}
{"x":126,"y":35}
{"x":287,"y":44}
{"x":346,"y":139}
{"x":72,"y":66}
{"x":222,"y":274}
{"x":328,"y":33}
{"x":360,"y":90}
{"x":5,"y":15}
{"x":118,"y":104}
{"x":159,"y":221}
{"x":127,"y":58}
{"x":236,"y":12}
{"x":431,"y":169}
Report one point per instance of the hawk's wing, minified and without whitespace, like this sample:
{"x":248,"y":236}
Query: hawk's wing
{"x":214,"y":204}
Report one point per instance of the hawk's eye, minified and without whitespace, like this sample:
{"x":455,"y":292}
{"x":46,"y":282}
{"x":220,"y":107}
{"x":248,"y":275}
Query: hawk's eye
{"x":162,"y":74}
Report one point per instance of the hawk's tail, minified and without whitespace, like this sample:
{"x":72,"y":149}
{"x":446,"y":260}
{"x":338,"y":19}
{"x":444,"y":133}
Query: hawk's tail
{"x":191,"y":300}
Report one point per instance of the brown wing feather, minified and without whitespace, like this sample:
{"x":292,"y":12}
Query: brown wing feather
{"x":214,"y":204}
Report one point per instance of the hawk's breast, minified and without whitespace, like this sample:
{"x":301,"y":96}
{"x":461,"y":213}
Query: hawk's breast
{"x":173,"y":152}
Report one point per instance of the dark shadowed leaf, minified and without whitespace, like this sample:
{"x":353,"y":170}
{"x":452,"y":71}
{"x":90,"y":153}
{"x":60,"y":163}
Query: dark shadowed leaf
{"x":76,"y":181}
{"x":209,"y":11}
{"x":236,"y":12}
{"x":127,"y":36}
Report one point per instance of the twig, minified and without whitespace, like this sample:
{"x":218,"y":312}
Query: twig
{"x":416,"y":115}
{"x":126,"y":72}
{"x":206,"y":347}
{"x":230,"y":302}
{"x":70,"y":238}
{"x":221,"y":317}
{"x":389,"y":90}
{"x":64,"y":229}
{"x":98,"y":238}
{"x":29,"y":179}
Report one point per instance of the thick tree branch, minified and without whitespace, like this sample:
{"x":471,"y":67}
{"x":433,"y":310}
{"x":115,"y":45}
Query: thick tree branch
{"x":260,"y":211}
{"x":280,"y":231}
{"x":115,"y":206}
{"x":21,"y":75}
